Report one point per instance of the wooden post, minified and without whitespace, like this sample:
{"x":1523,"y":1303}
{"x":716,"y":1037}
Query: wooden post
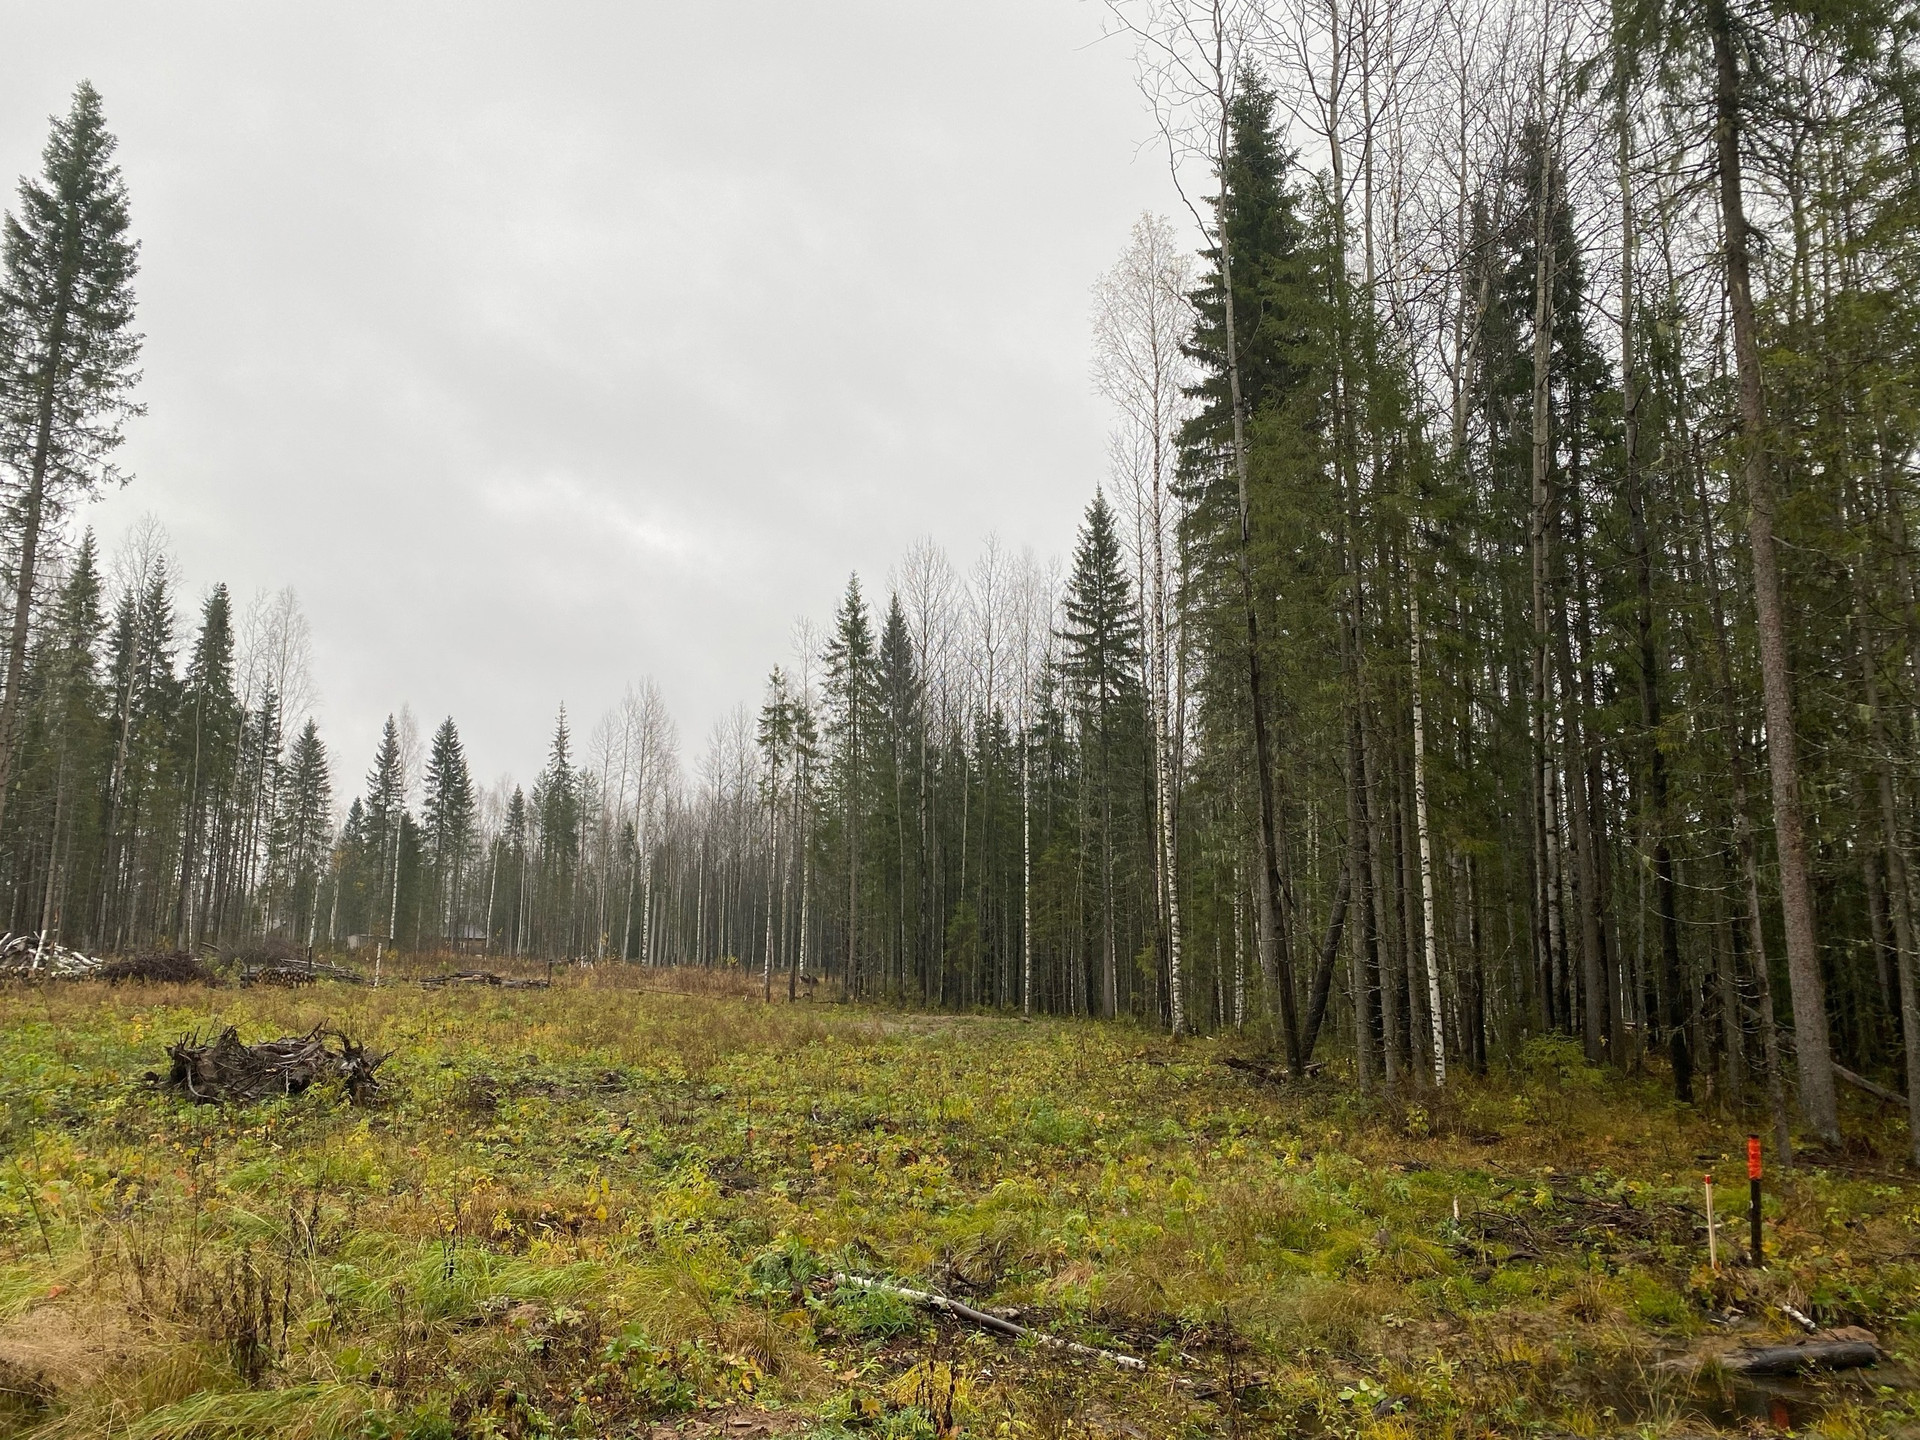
{"x":1713,"y":1243}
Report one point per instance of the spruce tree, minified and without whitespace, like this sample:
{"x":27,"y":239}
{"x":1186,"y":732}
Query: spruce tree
{"x":386,"y":819}
{"x":1100,"y":663}
{"x":447,"y":812}
{"x":557,"y":803}
{"x":898,"y":721}
{"x":850,"y":690}
{"x":208,"y":740}
{"x":67,"y":354}
{"x":302,"y":827}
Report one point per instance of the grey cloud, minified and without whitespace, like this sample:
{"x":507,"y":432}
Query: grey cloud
{"x":543,"y":346}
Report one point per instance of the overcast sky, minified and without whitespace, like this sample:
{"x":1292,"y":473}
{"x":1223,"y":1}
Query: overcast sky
{"x":545,"y":346}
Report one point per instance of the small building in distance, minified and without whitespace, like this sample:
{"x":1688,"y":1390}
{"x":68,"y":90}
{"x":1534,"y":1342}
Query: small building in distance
{"x":465,"y":939}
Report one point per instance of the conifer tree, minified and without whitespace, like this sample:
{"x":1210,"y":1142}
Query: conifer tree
{"x":303,"y":827}
{"x":67,"y":354}
{"x":385,"y":822}
{"x":209,"y":737}
{"x":556,"y":800}
{"x":849,"y":660}
{"x":1100,"y":663}
{"x":447,"y":813}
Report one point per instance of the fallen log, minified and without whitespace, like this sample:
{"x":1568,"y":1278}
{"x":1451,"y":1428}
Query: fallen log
{"x":1847,"y":1348}
{"x":986,"y":1321}
{"x":1795,"y":1359}
{"x":1274,"y":1073}
{"x":1860,"y":1082}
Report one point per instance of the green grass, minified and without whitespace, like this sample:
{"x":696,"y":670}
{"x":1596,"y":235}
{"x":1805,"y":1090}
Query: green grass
{"x":596,"y":1208}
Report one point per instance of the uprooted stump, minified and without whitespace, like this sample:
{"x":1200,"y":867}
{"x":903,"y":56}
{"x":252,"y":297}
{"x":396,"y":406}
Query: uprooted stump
{"x":230,"y":1070}
{"x":168,"y":967}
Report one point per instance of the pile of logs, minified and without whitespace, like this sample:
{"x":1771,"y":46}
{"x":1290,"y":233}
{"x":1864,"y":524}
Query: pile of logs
{"x":226,"y":1069}
{"x":296,"y":970}
{"x":34,"y":957}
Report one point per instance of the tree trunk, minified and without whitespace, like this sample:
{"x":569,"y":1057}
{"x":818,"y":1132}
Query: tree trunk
{"x":1899,"y":896}
{"x":1426,"y":851}
{"x":1812,"y":1047}
{"x":1271,"y":931}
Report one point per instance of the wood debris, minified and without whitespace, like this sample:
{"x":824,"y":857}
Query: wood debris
{"x":997,"y":1324}
{"x":226,"y":1069}
{"x":483,"y":977}
{"x":293,"y":970}
{"x":167,"y":967}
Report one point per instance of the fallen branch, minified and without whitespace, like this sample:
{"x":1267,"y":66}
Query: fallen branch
{"x":990,"y":1322}
{"x":1805,"y":1322}
{"x":1860,"y":1082}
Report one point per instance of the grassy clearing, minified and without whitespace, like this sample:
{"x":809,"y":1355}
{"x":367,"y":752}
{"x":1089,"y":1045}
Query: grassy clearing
{"x":597,"y":1209}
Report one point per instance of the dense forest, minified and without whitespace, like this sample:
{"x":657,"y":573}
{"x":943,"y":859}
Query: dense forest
{"x":1498,"y":620}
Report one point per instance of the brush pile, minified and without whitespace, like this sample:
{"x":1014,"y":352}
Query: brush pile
{"x":228,"y":1070}
{"x":30,"y":957}
{"x":166,"y":967}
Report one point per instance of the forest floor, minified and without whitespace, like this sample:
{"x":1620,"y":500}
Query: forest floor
{"x":604,"y":1210}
